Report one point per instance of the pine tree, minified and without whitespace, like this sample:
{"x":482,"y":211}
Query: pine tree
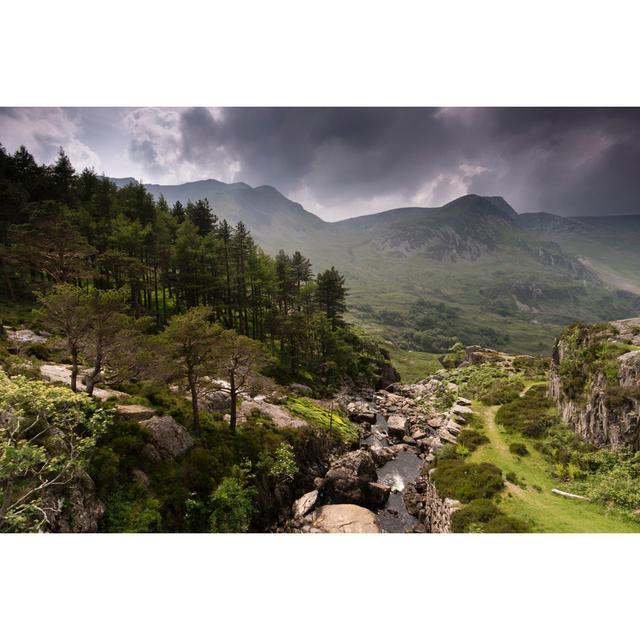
{"x":331,"y":295}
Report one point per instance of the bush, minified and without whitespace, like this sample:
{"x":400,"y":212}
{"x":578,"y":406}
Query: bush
{"x":481,"y":510}
{"x":39,"y":351}
{"x":506,"y":524}
{"x":232,"y":502}
{"x":466,"y":482}
{"x":471,"y":439}
{"x":532,"y":414}
{"x":131,"y":510}
{"x":518,"y":449}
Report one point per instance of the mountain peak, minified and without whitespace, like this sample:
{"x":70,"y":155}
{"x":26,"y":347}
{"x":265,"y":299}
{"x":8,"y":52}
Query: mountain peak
{"x":473,"y":203}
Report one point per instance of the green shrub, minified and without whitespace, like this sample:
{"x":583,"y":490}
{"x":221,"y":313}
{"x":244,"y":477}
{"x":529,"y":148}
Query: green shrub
{"x":232,"y":502}
{"x":132,"y":510}
{"x":506,"y":524}
{"x":471,"y":439}
{"x":519,"y":449}
{"x":40,"y":351}
{"x":477,"y":511}
{"x":532,"y":414}
{"x":466,"y":482}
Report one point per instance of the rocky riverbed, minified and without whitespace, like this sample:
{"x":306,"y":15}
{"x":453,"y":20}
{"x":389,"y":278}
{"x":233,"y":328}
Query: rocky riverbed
{"x":383,"y":485}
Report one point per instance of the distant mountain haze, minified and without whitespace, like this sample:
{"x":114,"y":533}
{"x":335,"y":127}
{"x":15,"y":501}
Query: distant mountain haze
{"x":489,"y":274}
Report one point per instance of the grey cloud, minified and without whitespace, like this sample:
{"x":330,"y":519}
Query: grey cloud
{"x":340,"y":162}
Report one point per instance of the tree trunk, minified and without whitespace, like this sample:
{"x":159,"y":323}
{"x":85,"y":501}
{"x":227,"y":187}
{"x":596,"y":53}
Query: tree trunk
{"x":74,"y":368}
{"x":194,"y":402}
{"x":97,"y":368}
{"x":233,"y":392}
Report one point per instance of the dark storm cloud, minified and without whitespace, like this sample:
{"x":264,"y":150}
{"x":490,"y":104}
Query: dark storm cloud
{"x":569,"y":161}
{"x":340,"y":162}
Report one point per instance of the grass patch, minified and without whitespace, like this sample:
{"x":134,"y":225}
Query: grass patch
{"x":333,"y":421}
{"x":533,"y":503}
{"x":414,"y":365}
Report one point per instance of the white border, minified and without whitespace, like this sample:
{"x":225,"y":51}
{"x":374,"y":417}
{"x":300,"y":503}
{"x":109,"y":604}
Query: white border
{"x":463,"y":52}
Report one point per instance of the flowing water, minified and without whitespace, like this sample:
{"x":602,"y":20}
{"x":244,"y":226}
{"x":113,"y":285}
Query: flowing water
{"x":397,"y":474}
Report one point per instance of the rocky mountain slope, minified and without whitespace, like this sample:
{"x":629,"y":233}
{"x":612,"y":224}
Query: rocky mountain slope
{"x":472,"y":270}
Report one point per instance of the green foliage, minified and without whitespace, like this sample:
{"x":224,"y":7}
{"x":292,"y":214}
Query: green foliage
{"x":477,"y":511}
{"x":491,"y":385}
{"x":506,"y":524}
{"x":531,"y":415}
{"x":232,"y":502}
{"x":47,"y":438}
{"x":519,"y":449}
{"x":467,"y":481}
{"x":281,"y":466}
{"x":330,"y":419}
{"x":132,"y":510}
{"x":589,"y":350}
{"x":471,"y":439}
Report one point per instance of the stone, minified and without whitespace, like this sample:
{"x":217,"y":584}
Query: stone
{"x":74,"y":508}
{"x":461,"y":410}
{"x":136,"y":412}
{"x":343,"y":518}
{"x":463,"y":401}
{"x":169,"y":438}
{"x":306,"y":503}
{"x":360,"y":411}
{"x":378,"y":494}
{"x":217,"y":401}
{"x":409,"y":440}
{"x":141,"y":478}
{"x":397,"y":426}
{"x":348,"y":479}
{"x":279,"y":414}
{"x":300,"y":389}
{"x":25,"y":336}
{"x":444,"y":434}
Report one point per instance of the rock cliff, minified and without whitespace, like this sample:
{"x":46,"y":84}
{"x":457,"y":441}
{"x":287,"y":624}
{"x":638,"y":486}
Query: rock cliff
{"x":595,"y":381}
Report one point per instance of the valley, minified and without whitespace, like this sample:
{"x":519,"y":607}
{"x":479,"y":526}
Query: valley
{"x":489,"y":275}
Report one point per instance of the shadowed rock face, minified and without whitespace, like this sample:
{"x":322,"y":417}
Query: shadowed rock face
{"x":170,"y":439}
{"x":343,"y":518}
{"x":606,"y":412}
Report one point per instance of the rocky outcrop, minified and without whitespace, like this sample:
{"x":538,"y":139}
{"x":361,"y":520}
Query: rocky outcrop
{"x":342,"y":518}
{"x":135,"y":412}
{"x":352,"y":479}
{"x":595,"y":382}
{"x":169,"y":439}
{"x":74,"y":508}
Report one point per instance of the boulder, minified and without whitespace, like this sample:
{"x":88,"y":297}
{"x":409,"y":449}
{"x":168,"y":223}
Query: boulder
{"x":169,"y":438}
{"x":360,"y":411}
{"x":136,"y":412}
{"x":74,"y":508}
{"x":464,"y":401}
{"x":349,"y":478}
{"x":397,"y":426}
{"x":343,"y":518}
{"x":141,"y":478}
{"x":306,"y":503}
{"x":217,"y":401}
{"x":25,"y":336}
{"x":461,"y":410}
{"x":378,"y":494}
{"x":300,"y":389}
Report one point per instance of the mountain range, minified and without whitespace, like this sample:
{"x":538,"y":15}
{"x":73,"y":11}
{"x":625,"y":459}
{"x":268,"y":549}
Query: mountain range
{"x":472,"y":270}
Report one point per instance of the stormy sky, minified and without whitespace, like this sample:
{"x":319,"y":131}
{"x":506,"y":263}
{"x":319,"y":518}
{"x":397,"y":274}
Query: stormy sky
{"x":343,"y":162}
